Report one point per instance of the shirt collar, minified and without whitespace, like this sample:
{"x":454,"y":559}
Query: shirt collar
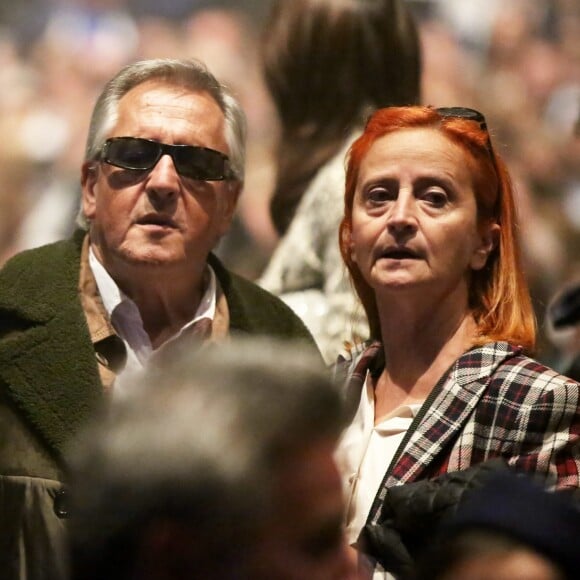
{"x":112,"y":296}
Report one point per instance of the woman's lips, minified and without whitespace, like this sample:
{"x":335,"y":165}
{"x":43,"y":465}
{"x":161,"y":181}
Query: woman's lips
{"x":399,"y":254}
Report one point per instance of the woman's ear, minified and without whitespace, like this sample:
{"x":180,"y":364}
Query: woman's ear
{"x":489,"y":240}
{"x":352,"y":253}
{"x":346,"y":242}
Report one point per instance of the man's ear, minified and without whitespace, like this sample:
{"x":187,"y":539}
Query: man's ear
{"x":489,"y":240}
{"x":232,"y":194}
{"x":88,"y":186}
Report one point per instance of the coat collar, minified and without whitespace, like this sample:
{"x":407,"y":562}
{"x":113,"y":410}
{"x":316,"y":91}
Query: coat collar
{"x":447,"y":409}
{"x":47,"y":361}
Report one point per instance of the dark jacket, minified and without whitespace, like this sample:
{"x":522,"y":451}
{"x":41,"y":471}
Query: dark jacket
{"x":417,"y":519}
{"x":412,"y":514}
{"x":50,"y":386}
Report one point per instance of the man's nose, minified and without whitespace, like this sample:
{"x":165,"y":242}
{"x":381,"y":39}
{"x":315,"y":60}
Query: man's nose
{"x":163,"y":179}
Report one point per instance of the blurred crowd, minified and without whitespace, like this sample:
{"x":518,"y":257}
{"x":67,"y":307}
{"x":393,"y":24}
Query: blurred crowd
{"x":518,"y":61}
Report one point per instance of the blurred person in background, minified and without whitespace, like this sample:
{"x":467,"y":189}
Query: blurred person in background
{"x":327,"y":65}
{"x":217,"y":466}
{"x":563,"y":312}
{"x":563,"y":318}
{"x":163,"y":169}
{"x":430,"y":238}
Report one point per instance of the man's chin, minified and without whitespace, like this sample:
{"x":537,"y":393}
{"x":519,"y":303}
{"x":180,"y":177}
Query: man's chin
{"x":151,"y":258}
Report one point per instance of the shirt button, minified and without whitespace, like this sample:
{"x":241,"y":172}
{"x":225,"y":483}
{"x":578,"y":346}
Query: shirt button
{"x":61,"y":504}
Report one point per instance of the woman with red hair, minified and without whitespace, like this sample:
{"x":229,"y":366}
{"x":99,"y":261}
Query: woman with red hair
{"x":429,"y":236}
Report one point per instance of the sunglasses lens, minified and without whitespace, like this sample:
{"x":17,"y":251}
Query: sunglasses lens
{"x":190,"y":161}
{"x":199,"y":163}
{"x":132,"y":153}
{"x":206,"y":164}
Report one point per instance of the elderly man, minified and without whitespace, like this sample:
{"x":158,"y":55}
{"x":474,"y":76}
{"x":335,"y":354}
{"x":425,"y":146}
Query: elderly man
{"x":216,"y":466}
{"x":162,"y":173}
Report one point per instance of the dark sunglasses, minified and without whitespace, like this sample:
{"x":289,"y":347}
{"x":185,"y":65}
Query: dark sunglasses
{"x":463,"y":113}
{"x":470,"y":115}
{"x":138,"y":154}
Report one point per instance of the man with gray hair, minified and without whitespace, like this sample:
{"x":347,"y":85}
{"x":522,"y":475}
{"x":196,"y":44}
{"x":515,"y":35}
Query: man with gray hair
{"x":215,"y":466}
{"x":163,"y":170}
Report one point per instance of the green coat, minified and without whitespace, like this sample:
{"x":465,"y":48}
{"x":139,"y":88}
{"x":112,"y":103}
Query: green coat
{"x":50,"y":386}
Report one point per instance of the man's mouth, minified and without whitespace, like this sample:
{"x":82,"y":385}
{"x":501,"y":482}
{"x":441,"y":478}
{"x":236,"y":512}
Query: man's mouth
{"x":155,"y":219}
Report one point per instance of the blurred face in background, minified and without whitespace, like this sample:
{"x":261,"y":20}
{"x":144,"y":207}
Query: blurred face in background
{"x":304,"y":539}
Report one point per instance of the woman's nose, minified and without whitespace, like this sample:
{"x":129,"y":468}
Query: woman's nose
{"x":402,"y":214}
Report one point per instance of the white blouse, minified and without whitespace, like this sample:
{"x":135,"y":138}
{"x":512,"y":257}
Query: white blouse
{"x":364,"y":454}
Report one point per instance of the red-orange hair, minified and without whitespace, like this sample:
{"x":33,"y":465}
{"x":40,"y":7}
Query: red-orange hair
{"x":499,"y":297}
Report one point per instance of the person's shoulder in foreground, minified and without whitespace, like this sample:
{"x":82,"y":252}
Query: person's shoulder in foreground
{"x":216,"y":465}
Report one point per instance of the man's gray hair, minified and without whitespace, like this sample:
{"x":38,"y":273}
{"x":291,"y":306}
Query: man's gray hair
{"x":191,"y":74}
{"x":199,"y":438}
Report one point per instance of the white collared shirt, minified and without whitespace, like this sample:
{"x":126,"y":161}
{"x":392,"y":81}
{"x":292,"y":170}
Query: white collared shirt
{"x":126,"y":318}
{"x":364,"y":454}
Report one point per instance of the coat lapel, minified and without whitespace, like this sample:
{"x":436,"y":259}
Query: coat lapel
{"x":443,"y":417}
{"x":47,"y":361}
{"x":440,"y":422}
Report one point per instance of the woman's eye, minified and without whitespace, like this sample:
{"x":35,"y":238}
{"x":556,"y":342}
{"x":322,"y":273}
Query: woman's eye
{"x":436,"y":198}
{"x":379,"y":195}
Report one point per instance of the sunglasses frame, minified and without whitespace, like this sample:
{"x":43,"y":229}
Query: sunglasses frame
{"x":472,"y":115}
{"x":463,"y":113}
{"x":469,"y":115}
{"x":166,"y":149}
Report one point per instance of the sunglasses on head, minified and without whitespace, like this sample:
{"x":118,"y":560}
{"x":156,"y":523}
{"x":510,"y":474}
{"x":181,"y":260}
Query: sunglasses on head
{"x":469,"y":115}
{"x":191,"y":161}
{"x":463,"y":113}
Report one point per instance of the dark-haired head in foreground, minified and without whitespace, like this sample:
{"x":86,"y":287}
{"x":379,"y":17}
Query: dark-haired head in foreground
{"x":217,"y":466}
